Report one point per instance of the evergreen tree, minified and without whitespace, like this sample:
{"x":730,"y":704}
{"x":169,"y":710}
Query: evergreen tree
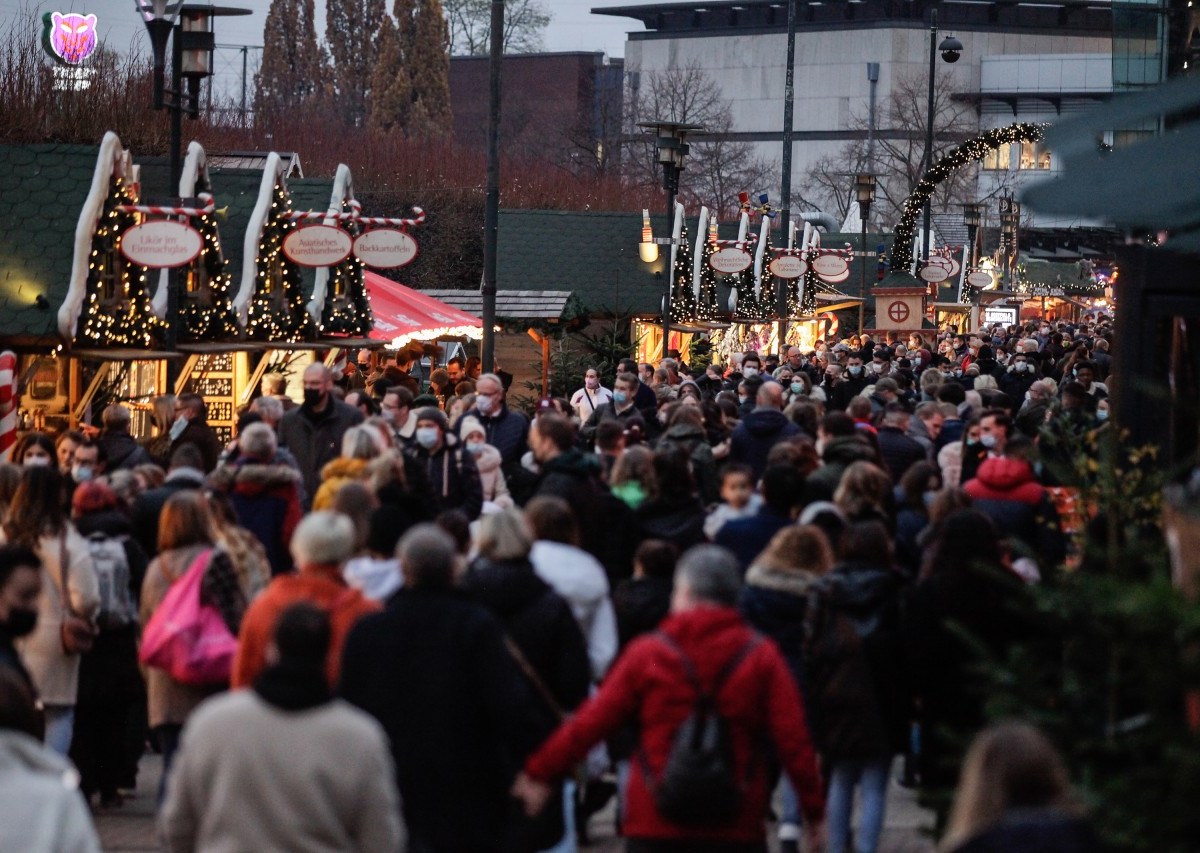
{"x":353,"y":32}
{"x":428,"y":60}
{"x":683,"y":303}
{"x":391,"y":87}
{"x":294,"y":68}
{"x":707,"y":309}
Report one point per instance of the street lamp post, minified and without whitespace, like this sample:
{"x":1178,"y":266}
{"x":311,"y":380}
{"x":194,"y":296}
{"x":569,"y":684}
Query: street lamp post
{"x":1010,"y":220}
{"x":951,"y":49}
{"x":672,"y":149}
{"x":972,"y":218}
{"x":189,"y":29}
{"x":864,"y":194}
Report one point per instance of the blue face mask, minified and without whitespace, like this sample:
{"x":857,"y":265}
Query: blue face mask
{"x":797,"y":387}
{"x":1102,"y":414}
{"x":929,"y":497}
{"x":620,"y":398}
{"x":427,"y":437}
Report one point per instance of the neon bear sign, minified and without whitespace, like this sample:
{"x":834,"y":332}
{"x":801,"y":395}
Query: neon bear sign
{"x":69,"y":38}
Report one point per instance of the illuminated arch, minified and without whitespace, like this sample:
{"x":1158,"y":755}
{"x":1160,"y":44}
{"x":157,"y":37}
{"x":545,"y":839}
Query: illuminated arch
{"x":968,"y":152}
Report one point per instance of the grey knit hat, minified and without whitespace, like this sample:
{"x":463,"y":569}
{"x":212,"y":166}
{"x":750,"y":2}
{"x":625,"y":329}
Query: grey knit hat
{"x":429,"y":413}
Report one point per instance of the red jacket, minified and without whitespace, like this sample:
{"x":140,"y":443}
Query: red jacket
{"x":648,"y":686}
{"x":1003,"y":479}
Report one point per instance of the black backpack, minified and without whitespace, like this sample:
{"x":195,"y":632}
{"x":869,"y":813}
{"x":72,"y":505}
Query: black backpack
{"x":699,"y":784}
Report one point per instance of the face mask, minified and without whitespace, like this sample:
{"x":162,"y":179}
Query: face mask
{"x":972,"y":442}
{"x":830,"y":378}
{"x":592,"y":382}
{"x":662,"y":417}
{"x":312,"y":397}
{"x":81,"y":473}
{"x":958,"y":374}
{"x":856,"y":370}
{"x":988,"y":440}
{"x":797,"y":387}
{"x":928,"y":498}
{"x":743,"y":397}
{"x":178,"y":427}
{"x":750,"y":371}
{"x":620,"y":398}
{"x":485,"y":403}
{"x":427,"y":437}
{"x":1102,"y":414}
{"x":37,"y":462}
{"x":475,"y":447}
{"x":21,"y":622}
{"x":876,"y":367}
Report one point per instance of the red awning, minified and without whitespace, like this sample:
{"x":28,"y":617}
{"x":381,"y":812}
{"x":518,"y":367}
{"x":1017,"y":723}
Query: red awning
{"x":403,"y":314}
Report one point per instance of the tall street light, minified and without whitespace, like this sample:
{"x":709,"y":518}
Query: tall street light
{"x":951,"y":49}
{"x":972,"y":218}
{"x":1010,"y":220}
{"x":189,"y":29}
{"x":864,"y":194}
{"x":672,"y":149}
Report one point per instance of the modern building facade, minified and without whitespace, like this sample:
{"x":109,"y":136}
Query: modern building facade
{"x":1020,"y":62}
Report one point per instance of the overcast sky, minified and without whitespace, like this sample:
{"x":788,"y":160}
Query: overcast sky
{"x":572,"y":26}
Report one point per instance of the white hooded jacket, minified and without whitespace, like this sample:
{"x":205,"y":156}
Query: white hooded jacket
{"x":580,"y":579}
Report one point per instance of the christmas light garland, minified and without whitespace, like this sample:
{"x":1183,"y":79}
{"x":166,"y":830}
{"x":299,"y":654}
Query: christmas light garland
{"x":123,"y":317}
{"x":683,"y":300}
{"x":277,"y":315}
{"x":707,"y":310}
{"x":968,"y":152}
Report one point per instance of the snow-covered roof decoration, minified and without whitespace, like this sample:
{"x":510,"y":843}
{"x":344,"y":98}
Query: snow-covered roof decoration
{"x":273,"y":173}
{"x":343,"y":191}
{"x":113,"y":161}
{"x":195,"y":173}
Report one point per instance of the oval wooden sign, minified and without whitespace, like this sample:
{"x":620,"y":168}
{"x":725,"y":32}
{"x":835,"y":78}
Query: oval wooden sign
{"x":788,"y":266}
{"x":933,"y":273}
{"x":830,"y":266}
{"x":979,"y":278}
{"x":317,"y":246}
{"x":385,"y":248}
{"x":729,"y":261}
{"x":161,"y":243}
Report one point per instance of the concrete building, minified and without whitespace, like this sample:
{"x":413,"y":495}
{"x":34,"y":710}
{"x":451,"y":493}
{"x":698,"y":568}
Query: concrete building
{"x":1020,"y":62}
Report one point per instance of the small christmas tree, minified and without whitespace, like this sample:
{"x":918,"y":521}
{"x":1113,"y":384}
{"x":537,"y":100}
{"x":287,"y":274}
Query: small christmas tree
{"x":206,"y":309}
{"x":707,"y":309}
{"x":683,"y":300}
{"x":117,"y":312}
{"x":277,"y":309}
{"x":347,"y":310}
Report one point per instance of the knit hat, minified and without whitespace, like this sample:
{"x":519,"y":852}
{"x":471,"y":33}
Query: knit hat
{"x":470,"y":424}
{"x":429,"y":413}
{"x":93,"y":496}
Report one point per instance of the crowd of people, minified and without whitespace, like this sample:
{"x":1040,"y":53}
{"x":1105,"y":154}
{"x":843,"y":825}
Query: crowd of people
{"x":419,"y":618}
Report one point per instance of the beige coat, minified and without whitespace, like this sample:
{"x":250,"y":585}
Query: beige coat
{"x":168,"y":701}
{"x":249,"y":776}
{"x":55,"y":673}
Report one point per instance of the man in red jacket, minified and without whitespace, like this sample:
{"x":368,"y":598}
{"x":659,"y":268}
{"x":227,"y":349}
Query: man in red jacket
{"x":649,"y":686}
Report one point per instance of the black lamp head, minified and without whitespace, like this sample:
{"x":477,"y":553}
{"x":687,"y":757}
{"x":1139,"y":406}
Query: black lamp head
{"x":951,"y":49}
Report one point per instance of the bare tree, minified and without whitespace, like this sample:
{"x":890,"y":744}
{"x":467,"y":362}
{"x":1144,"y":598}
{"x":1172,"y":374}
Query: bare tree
{"x":900,"y":159}
{"x":470,"y":26}
{"x":717,"y":168}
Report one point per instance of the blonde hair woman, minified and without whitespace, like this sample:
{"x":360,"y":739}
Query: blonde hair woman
{"x":1014,"y":794}
{"x":360,"y":444}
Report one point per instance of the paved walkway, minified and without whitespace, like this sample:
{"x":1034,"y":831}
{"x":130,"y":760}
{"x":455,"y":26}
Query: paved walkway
{"x":130,"y":828}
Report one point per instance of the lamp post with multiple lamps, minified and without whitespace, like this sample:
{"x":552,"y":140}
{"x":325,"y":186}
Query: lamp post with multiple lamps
{"x":189,"y":30}
{"x":951,"y":49}
{"x":972,"y":218}
{"x":672,"y":150}
{"x":1010,"y":221}
{"x":864,"y":194}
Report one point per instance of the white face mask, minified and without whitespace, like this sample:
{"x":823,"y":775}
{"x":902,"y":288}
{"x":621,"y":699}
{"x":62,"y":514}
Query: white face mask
{"x":475,"y":447}
{"x":81,"y":473}
{"x":427,"y":437}
{"x":178,"y":427}
{"x":485,"y":403}
{"x":750,"y":371}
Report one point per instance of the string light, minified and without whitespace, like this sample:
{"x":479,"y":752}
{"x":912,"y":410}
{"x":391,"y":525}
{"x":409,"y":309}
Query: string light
{"x":683,"y":300}
{"x":970,"y":151}
{"x":118,"y":311}
{"x":277,"y":313}
{"x":206,"y":311}
{"x":347,"y":310}
{"x":707,"y":310}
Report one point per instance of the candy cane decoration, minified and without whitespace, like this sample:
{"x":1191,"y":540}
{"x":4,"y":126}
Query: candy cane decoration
{"x":8,"y":402}
{"x":209,"y":205}
{"x":833,"y":323}
{"x":354,"y":214}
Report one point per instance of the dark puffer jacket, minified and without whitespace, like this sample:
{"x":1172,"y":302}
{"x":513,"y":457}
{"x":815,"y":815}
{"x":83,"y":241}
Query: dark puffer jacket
{"x":839,"y":454}
{"x":539,"y":621}
{"x":775,"y":602}
{"x":854,"y":663}
{"x":693,"y":441}
{"x":266,"y":498}
{"x":757,"y":433}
